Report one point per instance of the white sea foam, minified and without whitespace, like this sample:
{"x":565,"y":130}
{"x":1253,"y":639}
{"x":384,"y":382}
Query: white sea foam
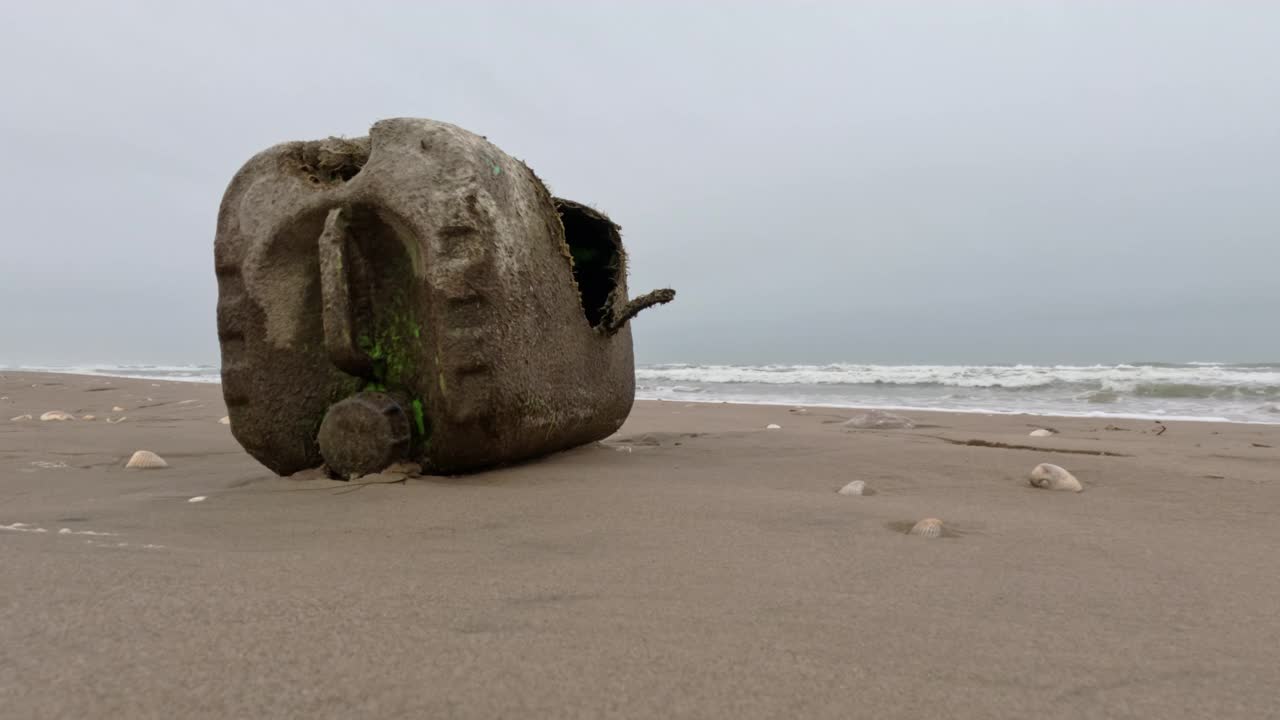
{"x":184,"y":373}
{"x":1203,"y":390}
{"x":1216,"y":392}
{"x":1119,"y":377}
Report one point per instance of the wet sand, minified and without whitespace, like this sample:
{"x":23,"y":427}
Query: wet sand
{"x":695,"y":565}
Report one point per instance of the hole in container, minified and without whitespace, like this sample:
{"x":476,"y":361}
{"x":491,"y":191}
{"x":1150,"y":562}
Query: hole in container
{"x":596,"y":249}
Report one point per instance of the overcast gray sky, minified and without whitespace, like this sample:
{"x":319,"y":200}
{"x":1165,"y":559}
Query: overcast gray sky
{"x":882,"y":182}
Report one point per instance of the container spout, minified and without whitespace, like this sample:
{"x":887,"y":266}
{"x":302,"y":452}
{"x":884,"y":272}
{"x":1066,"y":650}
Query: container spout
{"x":636,"y":306}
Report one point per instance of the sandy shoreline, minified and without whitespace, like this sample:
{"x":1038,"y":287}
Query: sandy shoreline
{"x":695,"y":565}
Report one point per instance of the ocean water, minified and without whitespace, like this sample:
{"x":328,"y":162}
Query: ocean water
{"x":1199,"y":391}
{"x":1172,"y":391}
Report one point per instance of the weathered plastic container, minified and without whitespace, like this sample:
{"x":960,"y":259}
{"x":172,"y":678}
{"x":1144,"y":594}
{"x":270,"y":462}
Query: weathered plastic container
{"x":416,"y":295}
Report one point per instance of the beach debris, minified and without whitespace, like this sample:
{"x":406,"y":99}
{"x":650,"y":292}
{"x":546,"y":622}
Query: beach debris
{"x":146,"y":460}
{"x":773,"y":426}
{"x":198,"y":498}
{"x":624,"y":448}
{"x":224,"y":420}
{"x":113,"y":421}
{"x":116,"y":408}
{"x":879,"y":420}
{"x":857,"y":487}
{"x":88,"y":417}
{"x":1162,"y":429}
{"x":1041,"y":433}
{"x":1261,"y":445}
{"x":927,"y":528}
{"x":1216,"y":477}
{"x":1053,"y":477}
{"x":20,"y":418}
{"x":4,"y":398}
{"x":49,"y":464}
{"x":1116,"y":428}
{"x":57,"y":415}
{"x":799,"y":410}
{"x":444,"y":272}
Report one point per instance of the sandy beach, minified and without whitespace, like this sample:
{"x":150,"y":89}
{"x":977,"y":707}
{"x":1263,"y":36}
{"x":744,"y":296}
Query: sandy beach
{"x":694,"y":565}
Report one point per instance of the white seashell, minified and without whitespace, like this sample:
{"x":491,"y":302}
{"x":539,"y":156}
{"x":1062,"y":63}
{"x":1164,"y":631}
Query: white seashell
{"x":225,"y":420}
{"x":879,"y":420}
{"x":113,"y":421}
{"x":857,"y":487}
{"x":198,"y":498}
{"x":1041,"y":433}
{"x":625,"y":448}
{"x":117,"y":408}
{"x":146,"y":460}
{"x":87,"y":417}
{"x":57,"y":415}
{"x":773,"y":426}
{"x":20,"y":418}
{"x":927,"y":528}
{"x":1052,"y":477}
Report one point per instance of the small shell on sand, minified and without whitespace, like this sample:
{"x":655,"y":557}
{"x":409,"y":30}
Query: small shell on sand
{"x":87,"y":417}
{"x":224,"y":420}
{"x":113,"y":421}
{"x":927,"y":528}
{"x":1052,"y":477}
{"x":773,"y":426}
{"x":117,"y":408}
{"x":1041,"y":433}
{"x":198,"y":498}
{"x":857,"y":487}
{"x":57,"y":415}
{"x":20,"y":418}
{"x":146,"y":460}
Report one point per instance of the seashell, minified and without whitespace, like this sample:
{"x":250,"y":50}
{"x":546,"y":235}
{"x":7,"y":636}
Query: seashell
{"x":198,"y":498}
{"x":879,"y":420}
{"x":87,"y":417}
{"x":116,"y":408}
{"x":857,"y":487}
{"x":1041,"y":433}
{"x":146,"y":460}
{"x":20,"y":418}
{"x":1052,"y":477}
{"x":225,"y":420}
{"x":927,"y":528}
{"x":113,"y":421}
{"x":57,"y":415}
{"x":773,"y":426}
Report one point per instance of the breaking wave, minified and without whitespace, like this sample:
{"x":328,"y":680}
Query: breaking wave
{"x":1207,"y":390}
